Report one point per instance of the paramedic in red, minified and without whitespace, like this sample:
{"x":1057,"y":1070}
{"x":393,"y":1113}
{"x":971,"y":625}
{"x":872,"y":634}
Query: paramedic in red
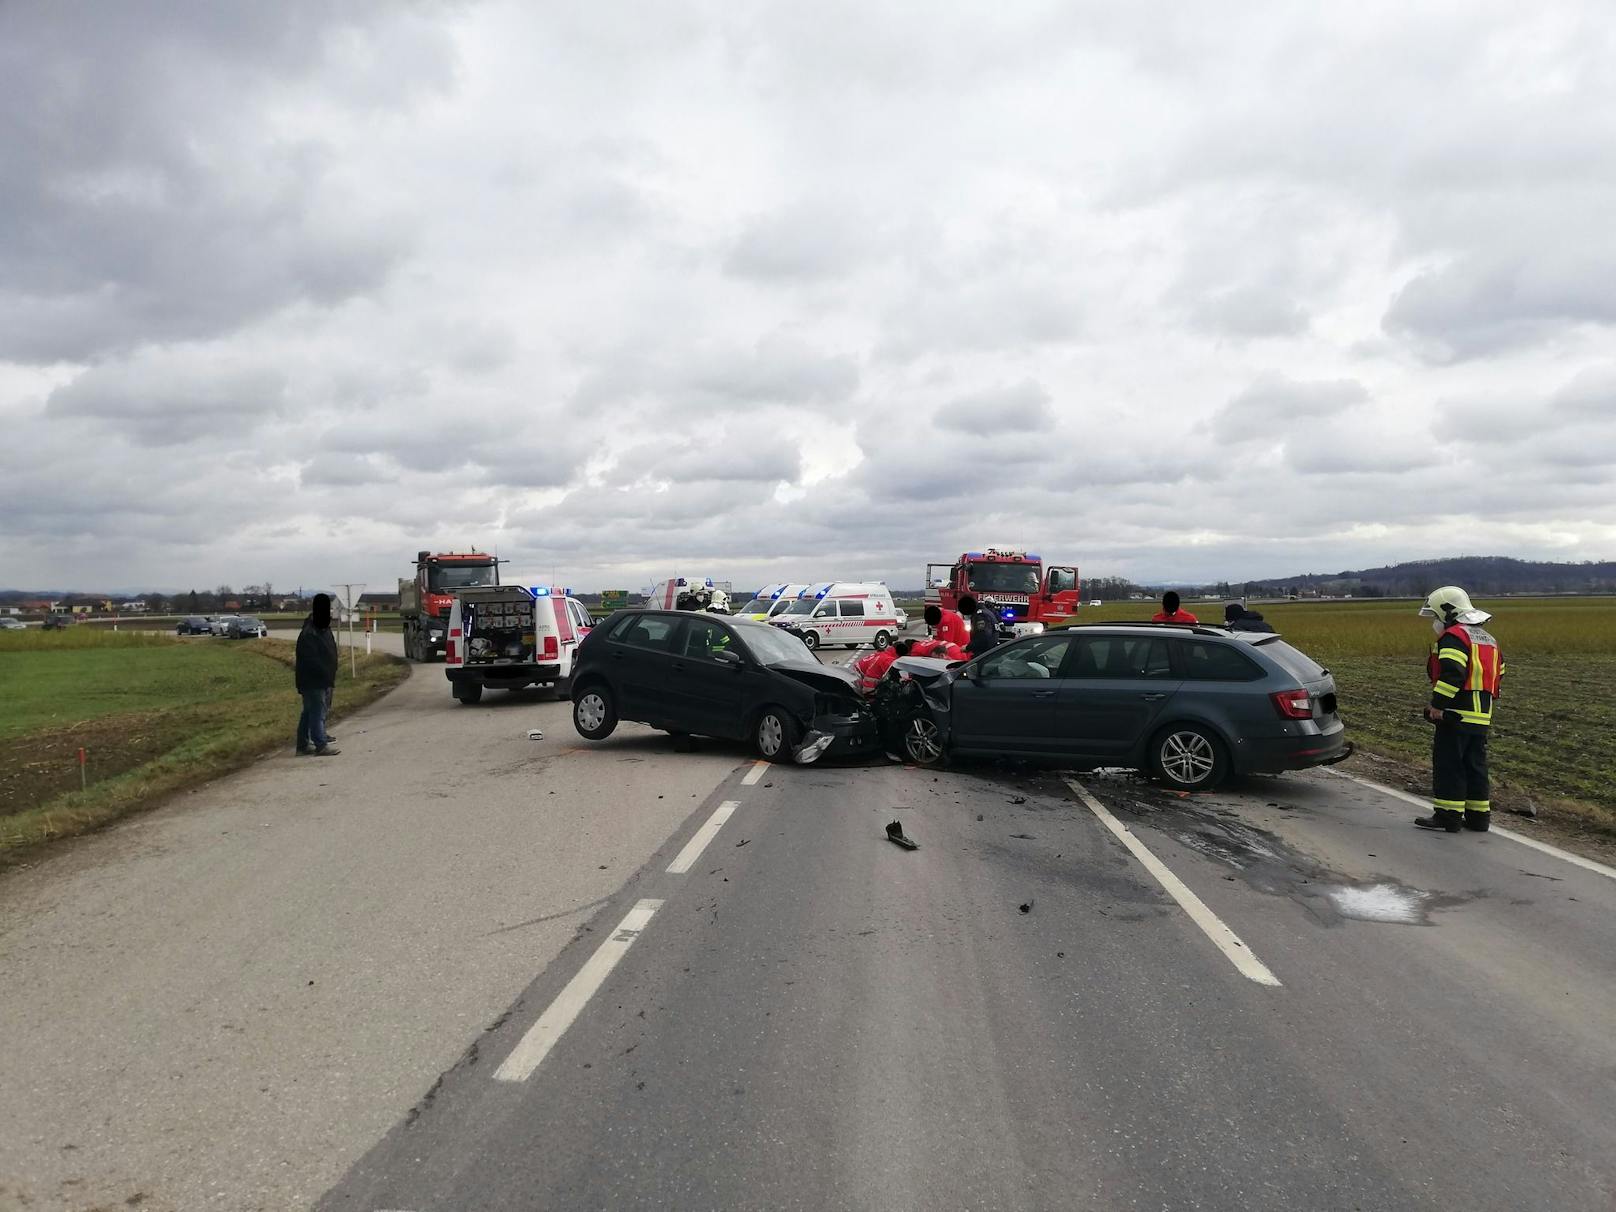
{"x":947,"y":625}
{"x":872,"y":666}
{"x":1172,"y":612}
{"x":1466,"y":669}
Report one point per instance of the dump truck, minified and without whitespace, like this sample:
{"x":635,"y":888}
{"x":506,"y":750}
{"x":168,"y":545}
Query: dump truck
{"x":425,"y":599}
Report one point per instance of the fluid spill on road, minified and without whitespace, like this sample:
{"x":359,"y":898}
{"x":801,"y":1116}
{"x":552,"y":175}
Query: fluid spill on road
{"x":1266,"y":862}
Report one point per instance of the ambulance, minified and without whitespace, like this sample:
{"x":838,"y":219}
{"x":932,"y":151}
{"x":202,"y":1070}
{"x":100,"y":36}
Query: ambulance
{"x":510,"y":636}
{"x":690,"y":593}
{"x":842,"y":613}
{"x":769,"y":601}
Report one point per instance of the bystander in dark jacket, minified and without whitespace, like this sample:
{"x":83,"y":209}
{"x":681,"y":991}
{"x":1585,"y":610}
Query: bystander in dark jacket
{"x":1237,"y":618}
{"x":315,"y":674}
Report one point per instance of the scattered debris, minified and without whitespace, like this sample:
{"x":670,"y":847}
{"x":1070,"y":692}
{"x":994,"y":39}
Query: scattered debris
{"x":1060,"y":955}
{"x":978,"y":816}
{"x":533,"y":734}
{"x":1020,"y":799}
{"x":1026,"y":837}
{"x":742,"y":842}
{"x":1027,"y":908}
{"x":895,"y":836}
{"x":1538,"y":876}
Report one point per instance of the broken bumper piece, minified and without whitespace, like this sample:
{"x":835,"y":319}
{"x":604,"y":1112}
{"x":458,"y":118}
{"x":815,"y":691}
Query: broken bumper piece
{"x":813,"y":747}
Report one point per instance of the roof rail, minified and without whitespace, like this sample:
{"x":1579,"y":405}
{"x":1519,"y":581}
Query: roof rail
{"x":1193,"y":628}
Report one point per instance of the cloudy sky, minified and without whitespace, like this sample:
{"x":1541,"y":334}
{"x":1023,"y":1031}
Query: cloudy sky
{"x":764,"y":291}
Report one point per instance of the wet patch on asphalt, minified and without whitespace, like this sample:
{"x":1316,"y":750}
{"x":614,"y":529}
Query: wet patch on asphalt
{"x":1264,"y":861}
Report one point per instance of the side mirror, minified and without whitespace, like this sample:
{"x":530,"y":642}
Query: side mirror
{"x":725,"y":657}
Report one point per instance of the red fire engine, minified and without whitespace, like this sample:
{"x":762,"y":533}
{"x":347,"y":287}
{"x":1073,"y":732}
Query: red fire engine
{"x":1025,"y":590}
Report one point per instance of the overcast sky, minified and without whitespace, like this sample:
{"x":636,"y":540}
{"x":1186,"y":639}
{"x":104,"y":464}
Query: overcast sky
{"x":291,"y":290}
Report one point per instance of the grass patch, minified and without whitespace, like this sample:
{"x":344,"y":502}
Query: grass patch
{"x":154,"y":715}
{"x":1554,"y":734}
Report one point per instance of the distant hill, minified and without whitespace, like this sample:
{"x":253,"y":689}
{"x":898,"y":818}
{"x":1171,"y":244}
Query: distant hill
{"x":1479,"y":575}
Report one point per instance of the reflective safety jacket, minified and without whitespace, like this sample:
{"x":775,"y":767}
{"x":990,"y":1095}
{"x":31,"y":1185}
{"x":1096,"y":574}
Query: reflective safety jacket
{"x":939,"y":650}
{"x":1466,"y":669}
{"x":952,"y":629}
{"x":872,"y":667}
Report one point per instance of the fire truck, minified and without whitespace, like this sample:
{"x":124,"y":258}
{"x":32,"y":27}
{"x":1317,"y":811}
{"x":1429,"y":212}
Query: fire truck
{"x":1030,"y":596}
{"x":425,"y":599}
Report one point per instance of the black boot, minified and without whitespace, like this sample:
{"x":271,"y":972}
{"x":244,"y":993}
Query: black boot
{"x":1446,"y":819}
{"x":1477,"y":821}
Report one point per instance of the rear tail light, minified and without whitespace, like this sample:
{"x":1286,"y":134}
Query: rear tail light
{"x":552,"y":650}
{"x":1293,"y":704}
{"x":449,"y":657}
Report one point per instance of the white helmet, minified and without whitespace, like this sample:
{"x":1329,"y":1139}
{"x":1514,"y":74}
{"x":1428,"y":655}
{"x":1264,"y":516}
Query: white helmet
{"x":1450,"y":605}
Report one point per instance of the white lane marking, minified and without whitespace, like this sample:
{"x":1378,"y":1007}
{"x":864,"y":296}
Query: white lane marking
{"x":1223,"y":938}
{"x":533,"y":1047}
{"x":693,"y":848}
{"x":1576,"y":860}
{"x":754,"y":774}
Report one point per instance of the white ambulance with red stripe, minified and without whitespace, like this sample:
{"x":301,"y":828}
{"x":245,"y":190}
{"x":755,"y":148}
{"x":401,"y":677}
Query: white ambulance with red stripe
{"x":509,"y":636}
{"x":850,"y":613}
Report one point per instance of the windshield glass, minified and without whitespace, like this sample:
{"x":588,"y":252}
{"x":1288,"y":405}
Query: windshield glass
{"x":780,"y":606}
{"x":1003,"y":578}
{"x":755,"y":606}
{"x":459,"y":576}
{"x":801,"y":606}
{"x":769,"y":645}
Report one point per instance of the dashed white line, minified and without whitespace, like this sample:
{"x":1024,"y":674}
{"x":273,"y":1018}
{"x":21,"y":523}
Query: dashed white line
{"x":533,"y":1047}
{"x":754,"y":774}
{"x":1223,"y":938}
{"x":1575,"y":860}
{"x":693,"y":848}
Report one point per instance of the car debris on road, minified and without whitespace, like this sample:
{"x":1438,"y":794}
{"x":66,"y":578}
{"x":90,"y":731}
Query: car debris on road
{"x":896,"y":837}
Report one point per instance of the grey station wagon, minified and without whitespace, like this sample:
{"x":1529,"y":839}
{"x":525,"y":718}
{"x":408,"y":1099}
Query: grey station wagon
{"x":1189,"y":704}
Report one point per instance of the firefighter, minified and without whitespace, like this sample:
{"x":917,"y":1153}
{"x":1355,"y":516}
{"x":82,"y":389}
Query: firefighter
{"x":1466,"y":669}
{"x":984,"y":626}
{"x":947,"y":625}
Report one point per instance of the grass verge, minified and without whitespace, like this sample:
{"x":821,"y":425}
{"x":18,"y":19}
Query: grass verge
{"x":156,"y":717}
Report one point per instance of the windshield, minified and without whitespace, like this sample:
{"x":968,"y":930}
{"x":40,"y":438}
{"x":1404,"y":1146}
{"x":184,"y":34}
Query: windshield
{"x":459,"y":576}
{"x":780,"y":606}
{"x":769,"y":645}
{"x":1003,"y":578}
{"x":800,"y":606}
{"x":755,"y":606}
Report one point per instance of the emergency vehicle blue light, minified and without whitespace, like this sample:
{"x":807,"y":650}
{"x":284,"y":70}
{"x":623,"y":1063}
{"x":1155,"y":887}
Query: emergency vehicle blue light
{"x":973,"y":555}
{"x":821,"y":593}
{"x":777,"y":593}
{"x":1030,"y":556}
{"x":708,"y":582}
{"x":681,"y":581}
{"x":568,"y":592}
{"x":539,"y":591}
{"x":1009,"y":614}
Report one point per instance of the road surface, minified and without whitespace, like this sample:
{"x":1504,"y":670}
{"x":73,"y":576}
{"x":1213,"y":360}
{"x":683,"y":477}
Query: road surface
{"x":1279,"y":996}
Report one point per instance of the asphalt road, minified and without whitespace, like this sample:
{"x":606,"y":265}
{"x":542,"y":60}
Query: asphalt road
{"x":799,"y":1014}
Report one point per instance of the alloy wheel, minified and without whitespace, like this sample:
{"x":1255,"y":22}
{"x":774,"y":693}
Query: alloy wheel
{"x":1187,"y":757}
{"x":923,"y":741}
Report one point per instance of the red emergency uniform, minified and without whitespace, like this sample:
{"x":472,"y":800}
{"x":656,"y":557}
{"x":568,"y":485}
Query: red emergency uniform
{"x":1178,"y":616}
{"x":952,"y":629}
{"x":873,"y":666}
{"x":937,"y":649}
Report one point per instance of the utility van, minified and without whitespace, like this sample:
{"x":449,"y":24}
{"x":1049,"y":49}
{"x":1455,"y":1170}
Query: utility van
{"x":769,"y":601}
{"x":510,"y":636}
{"x":842,"y":613}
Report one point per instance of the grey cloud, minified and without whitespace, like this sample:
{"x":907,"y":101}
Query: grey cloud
{"x":1021,"y":408}
{"x":1249,"y":311}
{"x":165,"y":399}
{"x":1274,"y":402}
{"x":779,"y":369}
{"x":1592,"y":391}
{"x":802,"y":242}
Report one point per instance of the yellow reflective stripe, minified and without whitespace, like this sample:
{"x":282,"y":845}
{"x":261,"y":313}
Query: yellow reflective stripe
{"x":1474,"y":717}
{"x":1453,"y":804}
{"x":1450,"y":654}
{"x":1478,"y":806}
{"x":1445,"y":690}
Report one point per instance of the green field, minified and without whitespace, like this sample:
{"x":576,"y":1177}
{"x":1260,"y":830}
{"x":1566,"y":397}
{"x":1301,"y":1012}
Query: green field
{"x":151,"y":713}
{"x":1554,"y":735}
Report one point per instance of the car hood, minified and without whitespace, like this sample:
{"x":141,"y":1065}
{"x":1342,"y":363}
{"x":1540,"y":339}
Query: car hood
{"x":923,"y":669}
{"x":825,"y":678}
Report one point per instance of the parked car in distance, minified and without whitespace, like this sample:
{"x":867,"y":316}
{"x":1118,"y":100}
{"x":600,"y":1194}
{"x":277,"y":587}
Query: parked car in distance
{"x":245,"y":627}
{"x":1189,"y":704}
{"x":193,"y":624}
{"x":220,"y":623}
{"x":707,"y":675}
{"x":10,"y":624}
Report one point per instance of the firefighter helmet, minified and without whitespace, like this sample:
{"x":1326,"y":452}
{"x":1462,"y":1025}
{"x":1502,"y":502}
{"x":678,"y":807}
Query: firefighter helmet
{"x":1450,"y":605}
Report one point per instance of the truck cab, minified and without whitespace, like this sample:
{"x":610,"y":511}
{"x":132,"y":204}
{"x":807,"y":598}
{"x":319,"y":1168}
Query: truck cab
{"x":1030,"y":596}
{"x":425,"y":600}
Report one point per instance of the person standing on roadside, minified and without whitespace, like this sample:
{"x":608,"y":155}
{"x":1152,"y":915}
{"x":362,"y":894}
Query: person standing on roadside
{"x":1171,"y":611}
{"x":315,"y":673}
{"x":1466,"y":668}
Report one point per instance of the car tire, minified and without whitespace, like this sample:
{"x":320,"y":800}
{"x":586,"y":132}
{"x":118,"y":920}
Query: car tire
{"x":774,"y":735}
{"x":882,"y":639}
{"x":1188,"y":757}
{"x":811,"y":639}
{"x":922,"y":741}
{"x":594,"y":714}
{"x":469,"y":693}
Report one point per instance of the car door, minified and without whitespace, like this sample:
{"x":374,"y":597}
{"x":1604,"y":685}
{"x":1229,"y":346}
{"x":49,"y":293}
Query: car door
{"x":640,"y":667}
{"x":1113,"y":689}
{"x":1008,"y":702}
{"x":708,"y":687}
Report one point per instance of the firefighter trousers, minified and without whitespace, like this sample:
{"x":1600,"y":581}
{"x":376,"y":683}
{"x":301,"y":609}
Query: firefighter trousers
{"x":1459,"y":768}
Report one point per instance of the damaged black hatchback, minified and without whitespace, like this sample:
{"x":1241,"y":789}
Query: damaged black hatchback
{"x":704,"y":675}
